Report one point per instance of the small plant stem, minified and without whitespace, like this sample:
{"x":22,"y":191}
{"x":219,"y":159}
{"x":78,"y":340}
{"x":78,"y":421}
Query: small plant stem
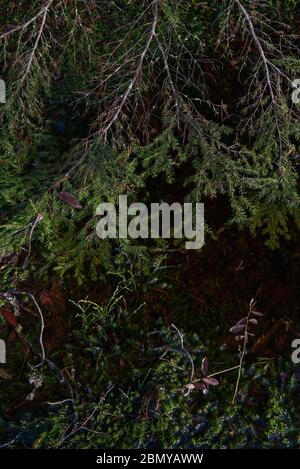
{"x":218,"y":373}
{"x":243,"y":351}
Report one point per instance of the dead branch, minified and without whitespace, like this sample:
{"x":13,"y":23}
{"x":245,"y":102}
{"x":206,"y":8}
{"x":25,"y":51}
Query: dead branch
{"x":10,"y":297}
{"x":32,"y":20}
{"x":36,"y":221}
{"x":242,"y":355}
{"x":38,"y":38}
{"x":266,"y":64}
{"x":82,"y":426}
{"x":167,"y":69}
{"x":136,"y":75}
{"x":182,"y":350}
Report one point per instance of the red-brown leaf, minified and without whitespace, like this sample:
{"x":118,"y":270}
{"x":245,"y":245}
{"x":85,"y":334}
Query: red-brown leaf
{"x":69,"y":199}
{"x":54,"y":298}
{"x":242,"y":321}
{"x":257,"y":313}
{"x":10,"y":318}
{"x":204,"y":366}
{"x":211,"y":381}
{"x":253,"y":321}
{"x":237,"y":328}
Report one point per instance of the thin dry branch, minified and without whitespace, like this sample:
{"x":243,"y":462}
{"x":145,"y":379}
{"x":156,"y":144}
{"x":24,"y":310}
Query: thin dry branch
{"x":136,"y":75}
{"x":266,"y":64}
{"x":259,"y":47}
{"x":37,"y":41}
{"x":82,"y":426}
{"x":24,"y":26}
{"x":42,"y":14}
{"x":167,"y":69}
{"x":182,"y":351}
{"x":242,"y":355}
{"x":117,"y":108}
{"x":10,"y":296}
{"x":42,"y":326}
{"x":36,"y":221}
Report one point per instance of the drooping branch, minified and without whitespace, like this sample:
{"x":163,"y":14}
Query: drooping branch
{"x":43,"y":13}
{"x":117,"y":109}
{"x":268,"y":65}
{"x":264,"y":59}
{"x":167,"y":69}
{"x":32,"y":20}
{"x":136,"y":75}
{"x":37,"y":41}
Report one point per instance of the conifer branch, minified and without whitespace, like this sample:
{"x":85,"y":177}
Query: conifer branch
{"x":44,"y":13}
{"x":170,"y":80}
{"x":103,"y":132}
{"x":266,"y":64}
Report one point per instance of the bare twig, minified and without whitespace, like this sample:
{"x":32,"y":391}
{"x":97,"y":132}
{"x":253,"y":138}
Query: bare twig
{"x":218,"y":373}
{"x":167,"y":69}
{"x":182,"y":350}
{"x":242,"y":355}
{"x":24,"y":26}
{"x":42,"y":326}
{"x":11,"y":442}
{"x":36,"y":221}
{"x":37,"y":41}
{"x":10,"y":297}
{"x":58,"y":402}
{"x":82,"y":426}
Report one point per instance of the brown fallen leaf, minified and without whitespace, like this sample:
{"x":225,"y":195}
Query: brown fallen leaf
{"x":54,"y":298}
{"x":275,"y":341}
{"x":4,"y":374}
{"x":10,"y":318}
{"x":69,"y":199}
